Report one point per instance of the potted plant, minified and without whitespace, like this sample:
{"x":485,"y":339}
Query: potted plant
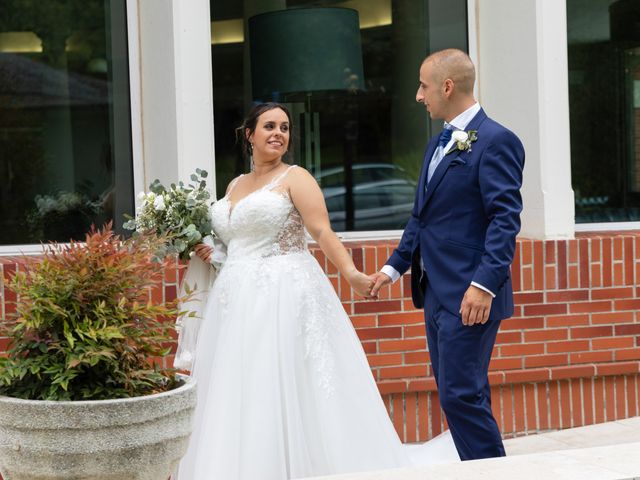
{"x":81,"y":396}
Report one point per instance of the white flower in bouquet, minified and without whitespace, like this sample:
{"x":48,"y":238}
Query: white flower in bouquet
{"x":180,"y":212}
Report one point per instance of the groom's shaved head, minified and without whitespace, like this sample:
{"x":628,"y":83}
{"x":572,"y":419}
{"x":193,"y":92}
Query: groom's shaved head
{"x":454,"y":64}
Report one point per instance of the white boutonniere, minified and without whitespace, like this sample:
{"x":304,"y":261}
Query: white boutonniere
{"x":463,"y":140}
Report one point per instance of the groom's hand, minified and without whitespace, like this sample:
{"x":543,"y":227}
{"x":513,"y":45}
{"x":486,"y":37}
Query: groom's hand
{"x":379,"y":280}
{"x":475,"y":306}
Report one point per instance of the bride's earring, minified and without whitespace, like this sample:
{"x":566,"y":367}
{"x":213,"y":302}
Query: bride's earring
{"x":252,"y":165}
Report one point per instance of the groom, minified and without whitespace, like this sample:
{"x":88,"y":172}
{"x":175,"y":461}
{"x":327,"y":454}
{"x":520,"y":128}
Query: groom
{"x":459,"y":243}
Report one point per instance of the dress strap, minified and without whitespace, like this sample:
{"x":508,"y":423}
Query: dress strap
{"x":233,"y":183}
{"x":274,"y":183}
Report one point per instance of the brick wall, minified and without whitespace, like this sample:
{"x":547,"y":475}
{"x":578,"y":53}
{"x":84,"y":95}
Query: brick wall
{"x":570,"y":356}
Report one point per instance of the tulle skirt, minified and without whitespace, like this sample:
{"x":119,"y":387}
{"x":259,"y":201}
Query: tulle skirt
{"x":284,"y":387}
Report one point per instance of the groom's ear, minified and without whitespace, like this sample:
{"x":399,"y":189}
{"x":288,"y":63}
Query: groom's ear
{"x":448,"y":87}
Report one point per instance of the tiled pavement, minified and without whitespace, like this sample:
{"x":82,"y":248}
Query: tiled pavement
{"x":607,"y":451}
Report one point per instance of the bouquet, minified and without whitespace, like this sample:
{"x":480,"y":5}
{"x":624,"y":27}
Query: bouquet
{"x":180,"y":213}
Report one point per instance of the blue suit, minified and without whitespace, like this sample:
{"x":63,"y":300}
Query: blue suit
{"x":464,"y":228}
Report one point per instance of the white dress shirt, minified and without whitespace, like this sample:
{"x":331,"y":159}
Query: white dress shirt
{"x":458,"y":123}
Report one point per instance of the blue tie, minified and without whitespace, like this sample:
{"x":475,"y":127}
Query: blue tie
{"x":445,"y":136}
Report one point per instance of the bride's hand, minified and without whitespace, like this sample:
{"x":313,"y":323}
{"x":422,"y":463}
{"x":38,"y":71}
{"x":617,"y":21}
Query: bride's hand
{"x":203,"y":251}
{"x":361,"y":283}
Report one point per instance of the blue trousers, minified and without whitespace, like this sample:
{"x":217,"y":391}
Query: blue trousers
{"x":460,"y":357}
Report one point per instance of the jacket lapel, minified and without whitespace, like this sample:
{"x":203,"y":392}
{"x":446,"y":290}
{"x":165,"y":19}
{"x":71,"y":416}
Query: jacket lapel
{"x":431,"y":147}
{"x":474,"y":124}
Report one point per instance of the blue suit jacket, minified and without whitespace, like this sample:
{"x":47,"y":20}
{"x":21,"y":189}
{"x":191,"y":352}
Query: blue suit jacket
{"x":464,"y":226}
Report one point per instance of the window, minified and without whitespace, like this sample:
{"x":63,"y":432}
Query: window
{"x":65,"y":142}
{"x":604,"y":99}
{"x":364,"y":142}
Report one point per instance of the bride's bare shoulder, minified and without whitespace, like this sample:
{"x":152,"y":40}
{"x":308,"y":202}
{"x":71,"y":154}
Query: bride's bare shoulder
{"x":232,"y":184}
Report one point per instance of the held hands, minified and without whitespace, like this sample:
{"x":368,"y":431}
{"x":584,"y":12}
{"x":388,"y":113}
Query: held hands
{"x":475,"y":306}
{"x":379,"y":280}
{"x":360,"y":283}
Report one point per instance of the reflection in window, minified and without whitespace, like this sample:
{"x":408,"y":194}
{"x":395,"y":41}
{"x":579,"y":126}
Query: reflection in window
{"x":65,"y":155}
{"x":604,"y":100}
{"x":365,"y":142}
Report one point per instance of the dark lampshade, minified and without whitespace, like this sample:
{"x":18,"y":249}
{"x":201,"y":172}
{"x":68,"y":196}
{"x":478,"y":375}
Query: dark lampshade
{"x":305,"y":50}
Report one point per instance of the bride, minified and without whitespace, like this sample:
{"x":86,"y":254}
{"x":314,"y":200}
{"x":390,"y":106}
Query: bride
{"x":284,"y":387}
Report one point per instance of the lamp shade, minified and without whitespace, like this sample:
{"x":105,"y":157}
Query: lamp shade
{"x":305,"y":50}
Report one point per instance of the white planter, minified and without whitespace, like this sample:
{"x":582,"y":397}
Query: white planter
{"x":140,"y":438}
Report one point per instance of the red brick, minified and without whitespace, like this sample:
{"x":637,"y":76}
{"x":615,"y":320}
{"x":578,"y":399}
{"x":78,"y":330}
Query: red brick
{"x":610,"y":343}
{"x":621,"y":410}
{"x":567,"y":296}
{"x":505,"y":363}
{"x":590,"y":307}
{"x":530,"y":403}
{"x":562,"y":264}
{"x":521,"y":323}
{"x":587,"y":396}
{"x":516,"y":270}
{"x":545,"y":309}
{"x":589,"y":357}
{"x":628,"y":261}
{"x":598,"y":399}
{"x":628,"y":354}
{"x":379,"y":333}
{"x":402,"y":345}
{"x":617,"y":248}
{"x":385,"y":359}
{"x":608,"y":293}
{"x":545,"y":360}
{"x":525,"y":376}
{"x":545,"y":335}
{"x":423,"y":385}
{"x":618,"y":274}
{"x":386,"y":388}
{"x":627,"y":304}
{"x":411,"y":414}
{"x":573,"y":277}
{"x":423,"y":420}
{"x":583,"y":245}
{"x":416,"y":357}
{"x":363,"y":321}
{"x":521,"y":349}
{"x":596,"y":275}
{"x":508,"y":337}
{"x":550,"y":277}
{"x":507,"y":410}
{"x":377,"y":306}
{"x":549,"y":252}
{"x":538,"y":266}
{"x":576,"y":403}
{"x":405,"y":371}
{"x":615,"y":317}
{"x":543,"y":406}
{"x":568,"y":346}
{"x":632,"y":402}
{"x":573,"y":250}
{"x":518,"y":404}
{"x":609,"y":395}
{"x":591,"y":332}
{"x":529,"y":297}
{"x":618,"y":368}
{"x":607,"y":264}
{"x":370,"y":347}
{"x":414,"y":331}
{"x":558,"y":373}
{"x":565,"y":404}
{"x":527,"y":252}
{"x":405,"y":318}
{"x":567,"y":320}
{"x":632,"y":329}
{"x":527,"y":278}
{"x":596,"y":245}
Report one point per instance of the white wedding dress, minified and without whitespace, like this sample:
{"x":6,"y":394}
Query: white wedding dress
{"x":284,"y":387}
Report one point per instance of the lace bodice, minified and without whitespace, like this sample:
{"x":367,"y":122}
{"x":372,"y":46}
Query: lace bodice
{"x":262,"y":224}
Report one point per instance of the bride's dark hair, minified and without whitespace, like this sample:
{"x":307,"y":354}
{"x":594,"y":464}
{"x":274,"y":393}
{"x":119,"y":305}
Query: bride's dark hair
{"x":251,"y":121}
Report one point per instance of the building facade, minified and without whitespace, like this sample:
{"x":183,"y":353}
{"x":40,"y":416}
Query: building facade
{"x":101,"y":97}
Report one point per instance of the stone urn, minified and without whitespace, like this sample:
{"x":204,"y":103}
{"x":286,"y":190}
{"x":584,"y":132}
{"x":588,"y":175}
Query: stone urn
{"x":139,"y":438}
